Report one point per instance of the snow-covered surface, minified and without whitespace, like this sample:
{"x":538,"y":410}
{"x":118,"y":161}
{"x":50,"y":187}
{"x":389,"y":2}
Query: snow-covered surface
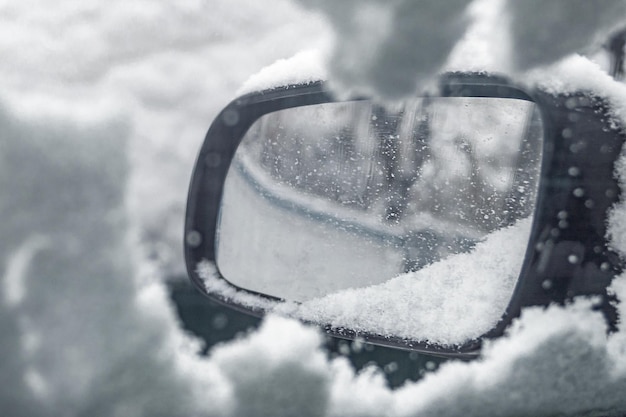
{"x":303,"y":68}
{"x":391,"y":49}
{"x":102,"y":107}
{"x":388,"y":48}
{"x":449,"y":302}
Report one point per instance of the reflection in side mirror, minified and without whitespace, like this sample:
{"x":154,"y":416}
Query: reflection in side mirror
{"x":330,"y":199}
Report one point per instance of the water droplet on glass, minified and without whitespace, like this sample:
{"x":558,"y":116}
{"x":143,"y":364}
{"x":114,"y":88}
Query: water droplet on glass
{"x":220,"y":321}
{"x":431,"y":366}
{"x":193,"y":238}
{"x":573,"y":171}
{"x":578,"y":192}
{"x":573,"y":117}
{"x":573,"y":259}
{"x":577,"y":147}
{"x":570,"y":103}
{"x":391,"y":367}
{"x":567,"y":133}
{"x":213,"y":160}
{"x":230,"y":117}
{"x":357,"y":345}
{"x":547,"y":284}
{"x":605,"y":266}
{"x":589,"y":204}
{"x":344,"y":349}
{"x":562,"y":215}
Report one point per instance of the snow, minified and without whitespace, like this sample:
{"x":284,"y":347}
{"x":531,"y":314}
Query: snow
{"x":17,"y":267}
{"x":81,"y":332}
{"x":388,"y":48}
{"x":215,"y":285}
{"x":282,"y":362}
{"x":392,"y":49}
{"x":553,"y":362}
{"x":102,"y":108}
{"x":479,"y":50}
{"x":561,"y":28}
{"x":303,"y":68}
{"x":449,"y":302}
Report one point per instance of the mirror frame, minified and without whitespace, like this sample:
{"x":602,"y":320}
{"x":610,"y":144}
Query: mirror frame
{"x":554,"y":194}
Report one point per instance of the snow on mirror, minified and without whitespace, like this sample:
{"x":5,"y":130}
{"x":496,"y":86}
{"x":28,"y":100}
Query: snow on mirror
{"x":338,"y":196}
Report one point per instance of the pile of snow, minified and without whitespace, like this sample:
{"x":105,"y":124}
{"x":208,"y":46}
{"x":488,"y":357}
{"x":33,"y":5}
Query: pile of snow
{"x":555,"y":361}
{"x":392,"y":49}
{"x":387,"y":48}
{"x":448,"y":302}
{"x":79,"y":334}
{"x":451,"y":301}
{"x":303,"y":68}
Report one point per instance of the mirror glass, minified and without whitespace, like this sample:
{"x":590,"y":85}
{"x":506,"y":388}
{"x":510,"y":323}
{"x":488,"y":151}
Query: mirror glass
{"x":337,"y":196}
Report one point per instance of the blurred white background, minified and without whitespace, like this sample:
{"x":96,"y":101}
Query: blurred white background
{"x":103,"y":106}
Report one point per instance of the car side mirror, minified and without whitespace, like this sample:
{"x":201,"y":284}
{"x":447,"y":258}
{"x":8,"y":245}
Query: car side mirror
{"x":415,"y":225}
